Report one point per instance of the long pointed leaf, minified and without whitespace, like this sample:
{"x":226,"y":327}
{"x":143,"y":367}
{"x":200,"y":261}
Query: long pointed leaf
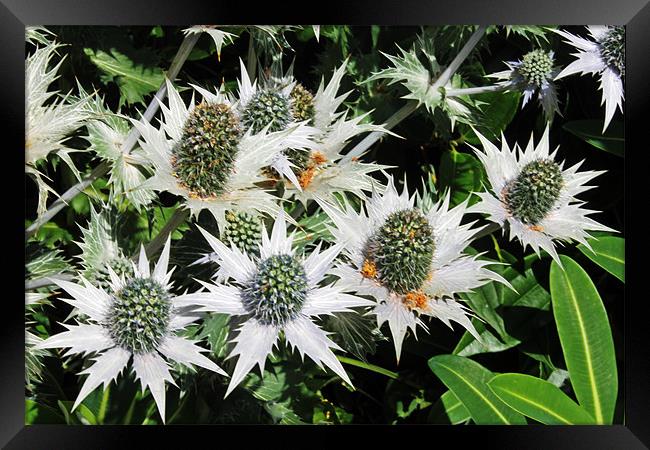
{"x":586,"y":339}
{"x":467,"y":379}
{"x":538,"y":399}
{"x":609,"y":253}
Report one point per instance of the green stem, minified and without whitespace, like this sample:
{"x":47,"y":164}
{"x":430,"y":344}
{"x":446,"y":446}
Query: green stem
{"x":101,"y":413}
{"x":179,"y":216}
{"x":474,"y":90}
{"x":370,"y":367}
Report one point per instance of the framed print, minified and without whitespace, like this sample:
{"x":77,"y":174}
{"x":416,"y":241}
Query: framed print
{"x":374,"y":217}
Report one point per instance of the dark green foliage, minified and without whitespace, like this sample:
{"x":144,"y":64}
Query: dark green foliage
{"x":536,"y":67}
{"x":243,"y":230}
{"x":267,"y":107}
{"x":206,"y":154}
{"x":531,"y":195}
{"x":402,"y":250}
{"x":139,"y":315}
{"x":613,"y":49}
{"x":277,"y":291}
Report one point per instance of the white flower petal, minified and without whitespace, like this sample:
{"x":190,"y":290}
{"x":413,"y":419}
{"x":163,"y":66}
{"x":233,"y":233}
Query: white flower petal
{"x":399,"y":318}
{"x":153,"y":371}
{"x":85,"y":338}
{"x":160,"y":271}
{"x":106,"y":368}
{"x":220,"y":299}
{"x":143,"y":264}
{"x":185,"y":352}
{"x":253,"y":344}
{"x":317,"y":264}
{"x":330,"y":299}
{"x":310,"y":340}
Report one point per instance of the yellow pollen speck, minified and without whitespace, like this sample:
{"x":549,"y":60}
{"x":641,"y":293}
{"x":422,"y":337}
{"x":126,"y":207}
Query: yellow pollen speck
{"x":369,"y":269}
{"x":318,"y":158}
{"x":536,"y":228}
{"x":415,"y":300}
{"x":306,"y":177}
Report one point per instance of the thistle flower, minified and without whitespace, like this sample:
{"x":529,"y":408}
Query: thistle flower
{"x":325,"y":170}
{"x":277,"y":291}
{"x":202,"y":154}
{"x":280,"y":104}
{"x":410,"y":260}
{"x":139,"y":319}
{"x":48,"y":123}
{"x":534,"y":73}
{"x":535,"y":195}
{"x":605,"y":55}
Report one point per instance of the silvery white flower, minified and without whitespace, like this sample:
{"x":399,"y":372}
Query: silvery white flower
{"x":535,"y":195}
{"x":277,"y":291}
{"x":534,"y":73}
{"x":605,"y":55}
{"x":138,"y":320}
{"x":202,"y":154}
{"x":48,"y":124}
{"x":325,"y":170}
{"x":219,"y":37}
{"x":410,"y":260}
{"x":278,"y":103}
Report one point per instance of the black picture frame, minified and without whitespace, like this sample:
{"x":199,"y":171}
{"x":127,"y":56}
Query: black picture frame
{"x":635,"y":14}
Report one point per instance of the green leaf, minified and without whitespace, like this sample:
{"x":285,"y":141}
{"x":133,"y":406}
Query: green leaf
{"x":609,"y":253}
{"x":586,"y":339}
{"x":135,"y":78}
{"x":590,"y":131}
{"x":449,"y":407}
{"x":467,"y":379}
{"x":462,"y":173}
{"x":538,"y":399}
{"x":497,"y":109}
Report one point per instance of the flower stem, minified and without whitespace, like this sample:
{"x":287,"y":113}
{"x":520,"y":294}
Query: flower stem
{"x":474,"y":90}
{"x":130,"y":141}
{"x":31,"y":285}
{"x":371,"y":367}
{"x":411,"y":106}
{"x":179,"y":216}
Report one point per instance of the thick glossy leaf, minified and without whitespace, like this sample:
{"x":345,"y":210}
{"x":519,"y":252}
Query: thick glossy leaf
{"x":586,"y":339}
{"x":539,"y":400}
{"x":462,"y":173}
{"x":449,"y":408}
{"x":467,"y":379}
{"x":609,"y":253}
{"x":590,"y":131}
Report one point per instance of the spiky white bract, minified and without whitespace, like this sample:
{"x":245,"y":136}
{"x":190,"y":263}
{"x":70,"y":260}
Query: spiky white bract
{"x":219,"y":37}
{"x":515,"y":80}
{"x":277,"y":292}
{"x":240,"y":192}
{"x":444,"y":272}
{"x":419,"y":81}
{"x":112,"y":352}
{"x":329,"y":170}
{"x":107,"y":132}
{"x":590,"y":59}
{"x":566,"y":218}
{"x":48,"y":124}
